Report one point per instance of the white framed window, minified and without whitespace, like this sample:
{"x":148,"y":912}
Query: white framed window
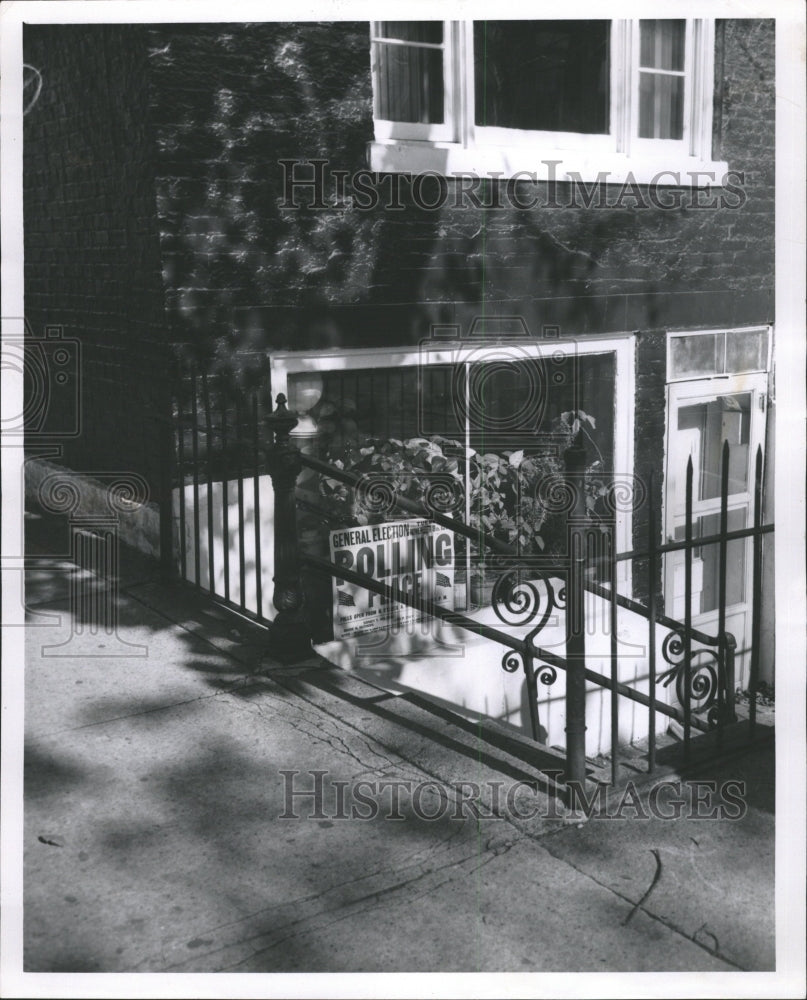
{"x":412,"y":72}
{"x":300,"y":376}
{"x":591,"y":97}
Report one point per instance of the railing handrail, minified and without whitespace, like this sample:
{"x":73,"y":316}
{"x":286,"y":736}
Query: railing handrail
{"x":521,"y":646}
{"x":478,"y":535}
{"x":502,"y":548}
{"x":430,"y":608}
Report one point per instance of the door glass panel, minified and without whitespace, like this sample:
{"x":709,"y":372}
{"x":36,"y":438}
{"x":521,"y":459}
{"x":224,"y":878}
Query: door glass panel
{"x":706,"y":563}
{"x":706,"y":426}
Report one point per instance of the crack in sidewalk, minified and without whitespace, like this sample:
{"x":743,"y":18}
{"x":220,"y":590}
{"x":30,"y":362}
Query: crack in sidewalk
{"x":649,"y":913}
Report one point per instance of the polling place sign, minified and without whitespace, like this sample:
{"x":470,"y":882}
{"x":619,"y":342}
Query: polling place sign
{"x":415,"y":558}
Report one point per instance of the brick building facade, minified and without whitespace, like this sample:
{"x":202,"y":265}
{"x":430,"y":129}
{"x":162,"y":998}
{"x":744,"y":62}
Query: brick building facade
{"x":162,"y":161}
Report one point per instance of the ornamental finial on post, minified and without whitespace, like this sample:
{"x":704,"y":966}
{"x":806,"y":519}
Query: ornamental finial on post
{"x":281,"y":422}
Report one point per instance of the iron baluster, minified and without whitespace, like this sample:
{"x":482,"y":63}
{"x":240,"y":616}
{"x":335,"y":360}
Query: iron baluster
{"x":614,"y":658}
{"x":257,"y":503}
{"x":225,"y":490}
{"x":208,"y":463}
{"x":575,"y":458}
{"x":688,"y":612}
{"x":756,"y":621}
{"x":721,"y":588}
{"x":195,"y":452}
{"x":652,"y":570}
{"x":183,"y":545}
{"x":239,"y":450}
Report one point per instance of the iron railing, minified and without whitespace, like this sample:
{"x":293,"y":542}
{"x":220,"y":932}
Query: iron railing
{"x":230,"y":442}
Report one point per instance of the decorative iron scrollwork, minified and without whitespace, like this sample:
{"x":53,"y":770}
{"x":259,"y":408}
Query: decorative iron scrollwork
{"x":546,"y":674}
{"x":512,"y":660}
{"x":704,"y":674}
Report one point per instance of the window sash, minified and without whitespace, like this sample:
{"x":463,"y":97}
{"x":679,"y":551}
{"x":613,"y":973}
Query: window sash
{"x":497,"y":136}
{"x":434,"y":131}
{"x":702,"y":354}
{"x":661,"y":146}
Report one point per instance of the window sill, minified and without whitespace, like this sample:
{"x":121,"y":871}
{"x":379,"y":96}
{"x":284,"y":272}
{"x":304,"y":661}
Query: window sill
{"x":509,"y":162}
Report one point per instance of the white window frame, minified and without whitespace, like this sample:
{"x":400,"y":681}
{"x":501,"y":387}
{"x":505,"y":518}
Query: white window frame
{"x":622,"y":346}
{"x":460,"y":146}
{"x":386,"y":129}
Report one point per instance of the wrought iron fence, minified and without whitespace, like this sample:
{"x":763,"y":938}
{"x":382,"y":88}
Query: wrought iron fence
{"x":235,"y":511}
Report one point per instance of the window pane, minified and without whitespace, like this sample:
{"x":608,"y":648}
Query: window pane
{"x":706,"y":562}
{"x":662,"y":44}
{"x":413,"y":31}
{"x":661,"y":106}
{"x":410,"y":84}
{"x":746,"y":351}
{"x":516,"y":404}
{"x":707,"y":426}
{"x":545,"y":75}
{"x":698,"y":355}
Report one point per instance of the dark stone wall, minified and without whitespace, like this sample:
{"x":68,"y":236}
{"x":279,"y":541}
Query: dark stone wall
{"x":92,"y":254}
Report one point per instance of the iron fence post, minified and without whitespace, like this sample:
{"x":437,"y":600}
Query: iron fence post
{"x":575,"y":459}
{"x":291,"y":636}
{"x":756,"y":599}
{"x":730,"y":645}
{"x":166,"y":388}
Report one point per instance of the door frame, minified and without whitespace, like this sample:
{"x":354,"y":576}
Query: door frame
{"x":702,"y":390}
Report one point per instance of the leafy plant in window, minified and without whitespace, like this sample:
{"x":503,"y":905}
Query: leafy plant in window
{"x":505,"y":498}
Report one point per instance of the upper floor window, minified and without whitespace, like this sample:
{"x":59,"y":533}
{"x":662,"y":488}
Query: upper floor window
{"x":594,"y":96}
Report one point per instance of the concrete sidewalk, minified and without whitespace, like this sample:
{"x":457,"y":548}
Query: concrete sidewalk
{"x":154,"y":843}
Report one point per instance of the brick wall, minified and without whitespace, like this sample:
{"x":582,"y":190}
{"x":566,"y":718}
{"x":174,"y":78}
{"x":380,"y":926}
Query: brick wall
{"x":153,"y":214}
{"x":92,"y":261}
{"x":241,"y":273}
{"x":229,"y":103}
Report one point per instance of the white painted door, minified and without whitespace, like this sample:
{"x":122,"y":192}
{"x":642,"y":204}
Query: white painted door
{"x":702,"y":415}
